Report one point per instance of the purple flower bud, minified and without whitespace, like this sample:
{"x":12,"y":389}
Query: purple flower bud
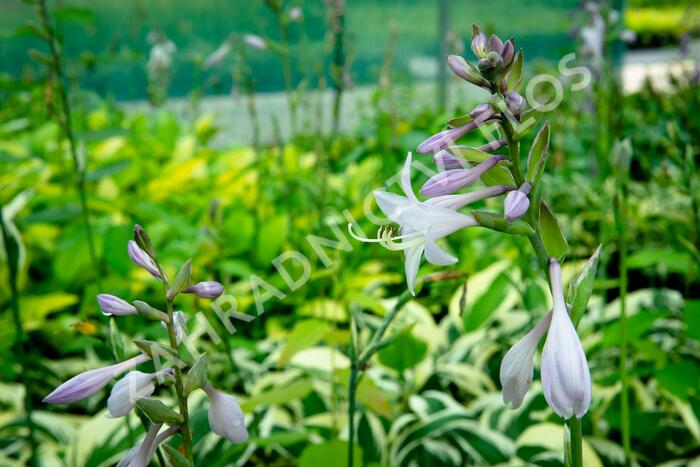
{"x":461,"y":68}
{"x":516,"y":103}
{"x":481,"y":114}
{"x":517,"y":203}
{"x":456,"y":202}
{"x":142,"y":259}
{"x":448,"y":161}
{"x":88,"y":383}
{"x":450,"y":181}
{"x":492,"y":146}
{"x":508,"y":52}
{"x":226,"y":418}
{"x":206,"y":289}
{"x":112,"y":305}
{"x":494,"y":44}
{"x":478,"y":42}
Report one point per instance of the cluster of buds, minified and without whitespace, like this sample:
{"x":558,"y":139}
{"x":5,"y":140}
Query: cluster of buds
{"x":565,"y":375}
{"x":136,"y":388}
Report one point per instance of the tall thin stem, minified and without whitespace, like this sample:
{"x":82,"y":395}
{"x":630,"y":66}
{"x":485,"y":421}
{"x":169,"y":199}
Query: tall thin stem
{"x":621,"y":221}
{"x":179,"y":387}
{"x":66,"y":123}
{"x":575,"y":455}
{"x":337,"y":23}
{"x":358,"y":364}
{"x":19,"y":339}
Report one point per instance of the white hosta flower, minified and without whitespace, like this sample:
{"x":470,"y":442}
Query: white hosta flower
{"x":421,"y":225}
{"x":517,"y":365}
{"x":226,"y":418}
{"x":140,"y":456}
{"x":132,"y":387}
{"x":566,"y":379}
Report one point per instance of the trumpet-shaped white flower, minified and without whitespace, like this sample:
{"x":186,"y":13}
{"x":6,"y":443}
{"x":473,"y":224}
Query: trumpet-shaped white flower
{"x":517,"y":365}
{"x":226,"y":418}
{"x":88,"y":383}
{"x":421,"y":225}
{"x":566,"y":379}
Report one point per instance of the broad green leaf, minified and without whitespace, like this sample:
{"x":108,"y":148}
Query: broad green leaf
{"x":182,"y":280}
{"x":459,"y":121}
{"x":333,"y":452}
{"x":552,"y":236}
{"x":581,"y":287}
{"x":537,"y":158}
{"x":197,"y":375}
{"x":406,"y":351}
{"x":305,"y":334}
{"x":672,"y":260}
{"x":681,"y":379}
{"x":487,"y":303}
{"x":497,"y":175}
{"x":116,"y":239}
{"x":470,"y":154}
{"x":271,"y":237}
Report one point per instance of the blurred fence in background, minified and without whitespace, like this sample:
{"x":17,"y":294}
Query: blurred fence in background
{"x":107,"y":42}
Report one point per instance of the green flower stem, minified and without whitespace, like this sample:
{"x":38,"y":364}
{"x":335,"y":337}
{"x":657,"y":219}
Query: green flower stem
{"x":575,"y":455}
{"x":179,"y":391}
{"x":66,"y":124}
{"x":358,"y":365}
{"x":621,"y":218}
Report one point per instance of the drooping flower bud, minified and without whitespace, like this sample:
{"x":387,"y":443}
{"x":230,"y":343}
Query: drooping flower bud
{"x":206,"y":289}
{"x":456,"y":202}
{"x":88,"y":383}
{"x":566,"y":379}
{"x":226,"y":418}
{"x":450,"y":181}
{"x":479,"y":116}
{"x":112,"y":305}
{"x":492,"y":146}
{"x":217,"y":56}
{"x":448,"y":161}
{"x":517,"y":203}
{"x":517,"y":365}
{"x":141,"y":258}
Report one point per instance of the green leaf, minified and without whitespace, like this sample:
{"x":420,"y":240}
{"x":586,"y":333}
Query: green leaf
{"x":537,"y":158}
{"x":497,"y":175}
{"x":305,"y":334}
{"x":273,"y":233}
{"x":182,"y":280}
{"x":116,"y":341}
{"x":157,"y":412}
{"x":459,"y":121}
{"x":406,"y":351}
{"x":581,"y":287}
{"x":470,"y":154}
{"x":681,"y":379}
{"x":197,"y":376}
{"x":515,"y":76}
{"x":115,"y":240}
{"x":150,"y":348}
{"x":329,"y":453}
{"x":174,"y":457}
{"x":691,"y":317}
{"x":496,"y":222}
{"x":487,"y":303}
{"x":552,"y":236}
{"x":279,"y":395}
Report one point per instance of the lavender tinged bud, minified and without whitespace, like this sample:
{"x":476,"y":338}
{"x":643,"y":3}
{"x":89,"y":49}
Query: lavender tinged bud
{"x":445,"y":138}
{"x":206,"y":289}
{"x":478,"y":42}
{"x":112,"y":305}
{"x":516,"y":103}
{"x":492,"y":146}
{"x":467,"y":72}
{"x":517,"y":203}
{"x":141,"y":258}
{"x":508,"y":53}
{"x":494,"y":44}
{"x":450,"y":181}
{"x":448,"y":161}
{"x":144,"y":241}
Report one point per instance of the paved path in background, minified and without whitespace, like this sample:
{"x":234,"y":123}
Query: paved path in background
{"x":232,"y":118}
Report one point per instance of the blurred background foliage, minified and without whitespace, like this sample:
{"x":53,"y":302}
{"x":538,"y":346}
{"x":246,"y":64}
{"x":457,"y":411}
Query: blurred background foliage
{"x":433,"y":395}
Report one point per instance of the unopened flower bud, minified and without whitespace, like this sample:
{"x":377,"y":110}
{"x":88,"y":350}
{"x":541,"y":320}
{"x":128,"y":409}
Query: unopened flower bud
{"x":206,"y":289}
{"x":478,"y":42}
{"x":464,"y":70}
{"x":144,"y":241}
{"x":226,"y":418}
{"x":141,"y":258}
{"x":516,"y":103}
{"x":112,"y":305}
{"x":517,"y":203}
{"x":490,"y":65}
